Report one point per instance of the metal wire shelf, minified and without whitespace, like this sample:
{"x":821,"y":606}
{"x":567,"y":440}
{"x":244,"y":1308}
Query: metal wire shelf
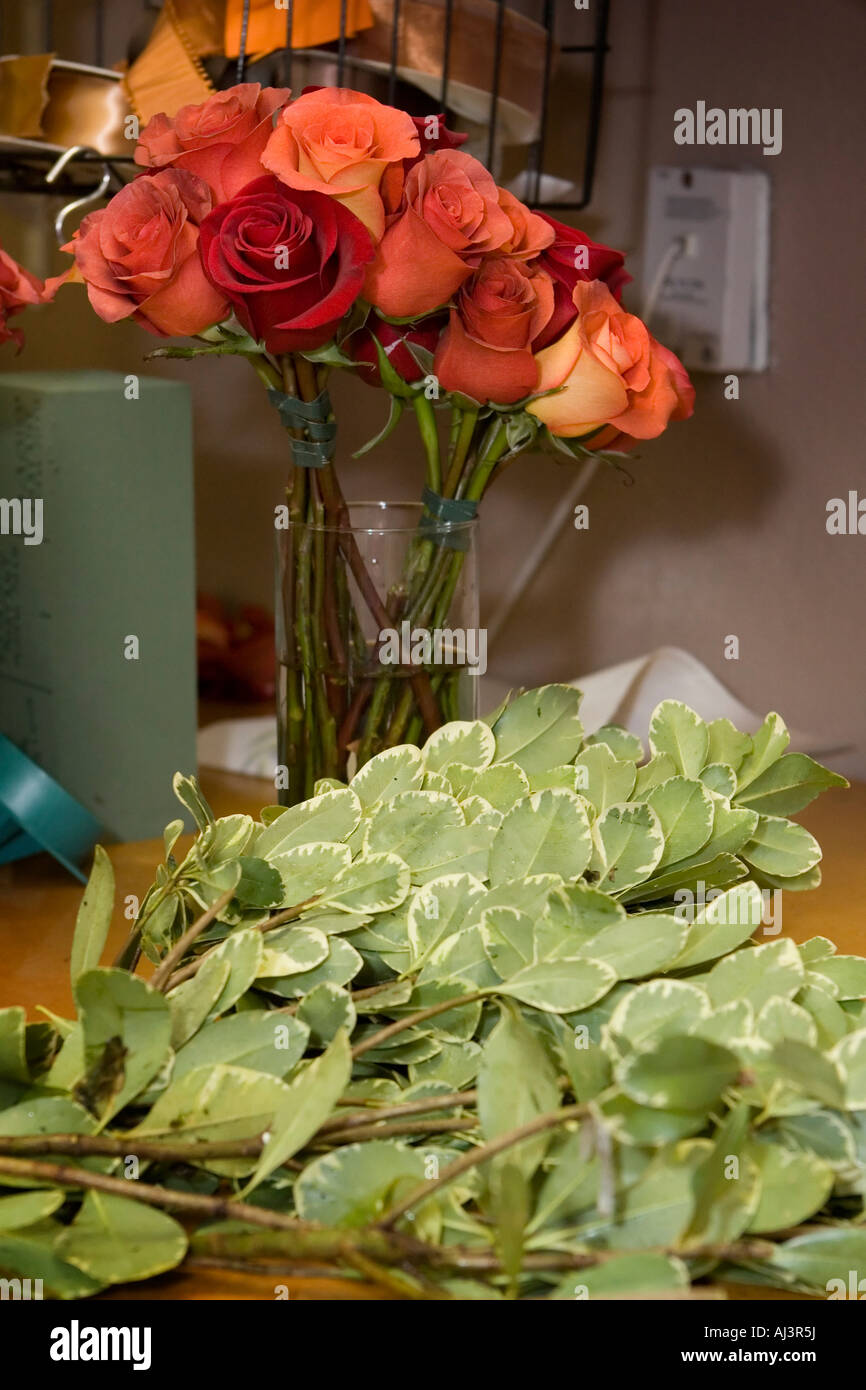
{"x":24,"y":163}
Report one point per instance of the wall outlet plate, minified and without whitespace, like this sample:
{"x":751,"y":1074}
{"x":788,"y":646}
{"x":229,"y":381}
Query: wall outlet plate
{"x":712,"y":306}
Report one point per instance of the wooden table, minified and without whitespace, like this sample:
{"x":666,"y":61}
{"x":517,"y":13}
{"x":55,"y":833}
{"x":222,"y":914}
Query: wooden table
{"x":39,"y":900}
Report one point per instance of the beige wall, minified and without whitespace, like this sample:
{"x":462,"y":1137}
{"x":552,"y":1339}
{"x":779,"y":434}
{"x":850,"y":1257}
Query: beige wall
{"x":723,"y":529}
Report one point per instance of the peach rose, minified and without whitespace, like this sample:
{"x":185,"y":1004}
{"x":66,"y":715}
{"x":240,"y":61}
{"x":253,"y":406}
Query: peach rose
{"x":18,"y":289}
{"x":486,"y":350}
{"x":221,"y":139}
{"x":449,"y":221}
{"x":613,"y":372}
{"x":332,"y":140}
{"x":139,"y":257}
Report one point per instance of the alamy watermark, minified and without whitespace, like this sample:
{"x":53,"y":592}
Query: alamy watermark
{"x":733,"y":910}
{"x":22,"y":516}
{"x":437,"y":646}
{"x":738,"y":125}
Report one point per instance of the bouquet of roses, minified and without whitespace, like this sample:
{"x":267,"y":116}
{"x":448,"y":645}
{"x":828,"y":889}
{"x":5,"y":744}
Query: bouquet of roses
{"x":335,"y":231}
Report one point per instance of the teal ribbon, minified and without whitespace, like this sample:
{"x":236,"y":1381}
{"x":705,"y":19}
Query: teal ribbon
{"x":317,"y":447}
{"x":449,"y":511}
{"x":36,"y":814}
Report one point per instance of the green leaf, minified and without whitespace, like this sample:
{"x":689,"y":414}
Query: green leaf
{"x":653,"y":1211}
{"x":628,"y":842}
{"x":292,"y":950}
{"x":328,"y":1008}
{"x":561,"y":986}
{"x":243,"y":951}
{"x":308,"y":870}
{"x":26,"y":1257}
{"x":850,"y":1057}
{"x":726,"y":1186}
{"x":215,"y":1102}
{"x":94,"y":916}
{"x":547,"y":832}
{"x":660,"y":768}
{"x":621,"y":743}
{"x":607,"y":780}
{"x":768,"y":745}
{"x":781,"y":847}
{"x":194,"y":1000}
{"x":516,"y":1083}
{"x":387,"y":774}
{"x":678,"y":731}
{"x":126,"y":1026}
{"x":26,"y":1208}
{"x":846,"y":975}
{"x":823,"y":1259}
{"x":341,"y":965}
{"x":469,"y":742}
{"x":331,"y":816}
{"x":259,"y":1039}
{"x":540,"y":729}
{"x":720,"y":778}
{"x":685,"y":812}
{"x":373,"y":883}
{"x":312,"y":1096}
{"x":679,"y":1073}
{"x":757,"y":974}
{"x":725,"y":923}
{"x":397,"y":405}
{"x":408,"y":825}
{"x":116,"y":1239}
{"x":624,"y":1277}
{"x":658,"y":1009}
{"x":793,"y":1186}
{"x":355,"y":1185}
{"x":501,"y":785}
{"x":259,"y":885}
{"x":188,"y":793}
{"x":440,"y":909}
{"x":726,"y":744}
{"x":639,"y":945}
{"x":788,"y":785}
{"x":811,"y":1072}
{"x":13,"y":1052}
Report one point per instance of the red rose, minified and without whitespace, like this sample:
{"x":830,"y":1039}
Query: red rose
{"x":291,"y":262}
{"x":486,"y":351}
{"x":221,"y":139}
{"x":139,"y":256}
{"x":573,"y":257}
{"x":395,"y":340}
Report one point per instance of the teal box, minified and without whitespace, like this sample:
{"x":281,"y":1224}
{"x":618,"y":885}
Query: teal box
{"x":97,"y":613}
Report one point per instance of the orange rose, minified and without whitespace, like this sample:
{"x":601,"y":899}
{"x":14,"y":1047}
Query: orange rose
{"x":531,"y":234}
{"x":336,"y":141}
{"x":139,"y":257}
{"x":613,"y":371}
{"x":18,"y":289}
{"x":449,"y":221}
{"x":221,"y":140}
{"x":486,"y":350}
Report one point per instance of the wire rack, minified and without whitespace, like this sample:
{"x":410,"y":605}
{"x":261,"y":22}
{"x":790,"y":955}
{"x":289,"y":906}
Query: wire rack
{"x":577,"y":112}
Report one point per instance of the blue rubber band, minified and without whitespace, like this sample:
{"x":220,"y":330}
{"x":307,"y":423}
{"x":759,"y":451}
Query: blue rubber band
{"x":317,"y":447}
{"x":443,"y":512}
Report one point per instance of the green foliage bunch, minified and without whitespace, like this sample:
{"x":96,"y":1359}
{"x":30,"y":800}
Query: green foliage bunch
{"x":491,"y":1021}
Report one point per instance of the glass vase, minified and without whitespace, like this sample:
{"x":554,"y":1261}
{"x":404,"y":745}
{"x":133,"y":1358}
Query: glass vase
{"x":378,"y":640}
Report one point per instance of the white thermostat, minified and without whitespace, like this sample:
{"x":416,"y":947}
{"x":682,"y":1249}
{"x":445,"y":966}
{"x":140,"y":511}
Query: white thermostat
{"x":706,"y":265}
